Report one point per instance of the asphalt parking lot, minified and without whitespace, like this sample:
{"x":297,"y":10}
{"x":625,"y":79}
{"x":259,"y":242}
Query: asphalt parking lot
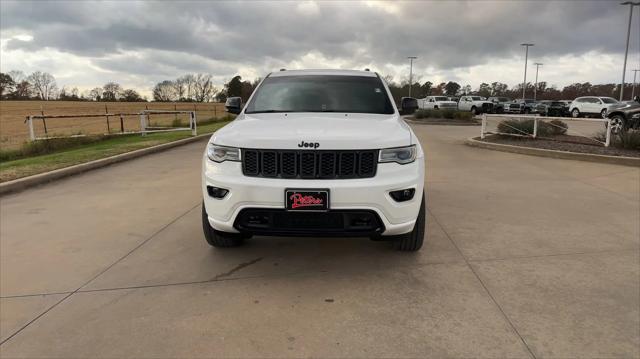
{"x":525,"y":257}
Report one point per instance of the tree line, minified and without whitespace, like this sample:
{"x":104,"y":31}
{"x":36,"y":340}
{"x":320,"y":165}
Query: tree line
{"x":543,"y":90}
{"x":15,"y":85}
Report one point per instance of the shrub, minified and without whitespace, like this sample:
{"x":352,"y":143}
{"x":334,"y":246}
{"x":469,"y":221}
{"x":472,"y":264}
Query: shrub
{"x":446,"y":114}
{"x":629,"y":139}
{"x":545,"y":129}
{"x":556,"y":127}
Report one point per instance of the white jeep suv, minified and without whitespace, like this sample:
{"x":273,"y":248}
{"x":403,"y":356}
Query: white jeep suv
{"x":315,"y":153}
{"x":591,"y":105}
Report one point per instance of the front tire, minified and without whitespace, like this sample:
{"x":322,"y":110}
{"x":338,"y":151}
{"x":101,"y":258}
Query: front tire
{"x":575,"y":113}
{"x":474,"y":110}
{"x":219,"y":239}
{"x":617,"y":124}
{"x":603,"y":113}
{"x":413,"y":240}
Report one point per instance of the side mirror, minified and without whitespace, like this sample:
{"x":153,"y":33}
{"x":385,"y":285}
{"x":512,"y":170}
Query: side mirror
{"x":233,"y":105}
{"x":408,"y":105}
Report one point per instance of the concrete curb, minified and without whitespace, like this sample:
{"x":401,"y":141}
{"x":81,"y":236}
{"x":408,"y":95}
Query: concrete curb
{"x":617,"y":160}
{"x":21,"y":184}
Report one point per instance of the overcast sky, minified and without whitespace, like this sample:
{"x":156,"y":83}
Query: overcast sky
{"x":137,"y":44}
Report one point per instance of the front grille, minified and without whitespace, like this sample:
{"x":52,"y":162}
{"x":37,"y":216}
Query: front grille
{"x":487,"y":106}
{"x":309,"y":164}
{"x":514,"y":106}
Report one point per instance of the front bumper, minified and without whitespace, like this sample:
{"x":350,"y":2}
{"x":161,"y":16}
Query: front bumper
{"x":360,"y":194}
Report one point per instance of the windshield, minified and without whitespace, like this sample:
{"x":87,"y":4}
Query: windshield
{"x":441,"y":98}
{"x":321,"y":93}
{"x":608,"y":100}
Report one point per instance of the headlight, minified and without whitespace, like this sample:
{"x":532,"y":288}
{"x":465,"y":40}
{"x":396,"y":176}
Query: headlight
{"x":401,"y":155}
{"x":222,"y":153}
{"x":636,"y":116}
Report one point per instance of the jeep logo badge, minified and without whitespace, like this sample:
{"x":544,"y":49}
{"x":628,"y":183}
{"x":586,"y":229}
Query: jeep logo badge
{"x":309,"y":144}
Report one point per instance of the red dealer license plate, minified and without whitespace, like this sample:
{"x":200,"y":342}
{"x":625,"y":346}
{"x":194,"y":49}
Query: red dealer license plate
{"x":306,"y":200}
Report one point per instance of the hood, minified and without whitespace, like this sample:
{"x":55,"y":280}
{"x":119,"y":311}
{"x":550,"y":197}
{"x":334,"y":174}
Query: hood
{"x":332,"y":131}
{"x":629,"y":105}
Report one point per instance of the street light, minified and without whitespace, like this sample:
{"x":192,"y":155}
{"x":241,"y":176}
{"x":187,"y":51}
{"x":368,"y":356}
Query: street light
{"x":535,"y":88}
{"x":626,"y":51}
{"x":633,"y":89}
{"x":526,"y":57}
{"x":411,"y":58}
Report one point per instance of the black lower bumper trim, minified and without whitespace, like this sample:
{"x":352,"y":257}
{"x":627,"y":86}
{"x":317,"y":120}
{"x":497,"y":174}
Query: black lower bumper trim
{"x":278,"y":222}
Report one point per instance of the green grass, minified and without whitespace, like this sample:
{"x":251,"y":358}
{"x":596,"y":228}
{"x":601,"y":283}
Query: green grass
{"x":17,"y":164}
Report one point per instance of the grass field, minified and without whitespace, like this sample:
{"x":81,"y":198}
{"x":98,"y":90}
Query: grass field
{"x":85,"y":152}
{"x":14,"y":132}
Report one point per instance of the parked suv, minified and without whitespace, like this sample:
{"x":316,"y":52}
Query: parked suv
{"x":625,"y":115}
{"x":591,"y":105}
{"x":437,"y":102}
{"x":552,"y":108}
{"x":475,"y":104}
{"x":525,"y":106}
{"x":315,"y":153}
{"x":499,"y":103}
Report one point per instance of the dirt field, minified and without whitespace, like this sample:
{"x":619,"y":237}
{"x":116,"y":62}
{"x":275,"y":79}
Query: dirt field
{"x":13,"y":130}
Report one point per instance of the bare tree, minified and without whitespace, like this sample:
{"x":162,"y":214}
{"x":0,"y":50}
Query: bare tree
{"x":189,"y":82}
{"x":204,"y":90}
{"x":179,"y":88}
{"x":111,"y":91}
{"x":43,"y":83}
{"x":17,"y":76}
{"x":95,"y":94}
{"x":164,"y":91}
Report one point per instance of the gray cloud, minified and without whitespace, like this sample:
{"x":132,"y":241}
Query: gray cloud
{"x":208,"y":35}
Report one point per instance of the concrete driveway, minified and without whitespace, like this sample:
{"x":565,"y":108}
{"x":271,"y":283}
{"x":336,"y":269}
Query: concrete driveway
{"x":525,"y":257}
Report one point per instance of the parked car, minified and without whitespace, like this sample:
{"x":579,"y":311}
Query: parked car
{"x":591,"y":105}
{"x":525,"y":106}
{"x":437,"y":102}
{"x":315,"y":153}
{"x":624,"y":115}
{"x":499,"y":103}
{"x":475,"y":104}
{"x":552,"y":108}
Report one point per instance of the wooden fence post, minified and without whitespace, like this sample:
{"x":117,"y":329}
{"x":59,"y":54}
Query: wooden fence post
{"x":106,"y":111}
{"x":44,"y":121}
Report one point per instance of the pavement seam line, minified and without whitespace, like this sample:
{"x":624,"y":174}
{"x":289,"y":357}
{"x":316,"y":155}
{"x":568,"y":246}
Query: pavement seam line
{"x":214,"y":280}
{"x":99,"y":274}
{"x":612,"y":251}
{"x":33,"y":295}
{"x":513,"y":327}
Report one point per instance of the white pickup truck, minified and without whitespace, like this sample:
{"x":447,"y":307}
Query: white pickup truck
{"x":315,"y":153}
{"x":475,"y":104}
{"x":437,"y":102}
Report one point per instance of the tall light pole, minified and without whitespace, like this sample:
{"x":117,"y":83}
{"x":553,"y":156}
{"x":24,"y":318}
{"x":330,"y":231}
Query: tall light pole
{"x":535,"y":88}
{"x":633,"y":89}
{"x":526,"y":57}
{"x":411,"y":58}
{"x":626,"y":51}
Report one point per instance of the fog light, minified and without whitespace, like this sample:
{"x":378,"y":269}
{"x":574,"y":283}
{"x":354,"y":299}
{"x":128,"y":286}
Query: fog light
{"x":216,"y":192}
{"x":403,"y":194}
